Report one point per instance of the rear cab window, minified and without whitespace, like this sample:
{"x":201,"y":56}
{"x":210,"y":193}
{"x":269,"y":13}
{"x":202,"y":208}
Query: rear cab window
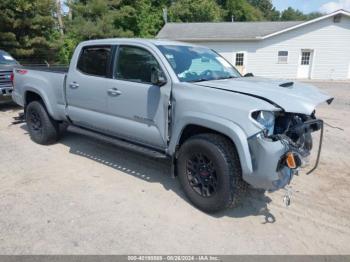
{"x":95,"y":60}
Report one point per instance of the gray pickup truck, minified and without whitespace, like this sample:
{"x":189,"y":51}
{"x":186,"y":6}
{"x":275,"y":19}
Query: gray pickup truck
{"x":222,"y":131}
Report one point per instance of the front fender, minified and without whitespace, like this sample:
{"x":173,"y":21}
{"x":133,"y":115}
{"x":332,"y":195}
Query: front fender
{"x":221,"y":125}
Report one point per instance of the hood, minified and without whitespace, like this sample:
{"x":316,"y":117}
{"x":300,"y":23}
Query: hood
{"x":291,"y":96}
{"x":8,"y":67}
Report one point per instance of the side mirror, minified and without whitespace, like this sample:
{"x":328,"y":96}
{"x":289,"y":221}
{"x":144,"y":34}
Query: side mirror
{"x":248,"y":75}
{"x":157,"y":77}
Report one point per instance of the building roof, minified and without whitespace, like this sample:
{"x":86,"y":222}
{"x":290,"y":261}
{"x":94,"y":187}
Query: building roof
{"x":222,"y":31}
{"x":234,"y":31}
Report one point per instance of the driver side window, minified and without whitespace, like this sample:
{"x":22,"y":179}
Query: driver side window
{"x":135,"y":64}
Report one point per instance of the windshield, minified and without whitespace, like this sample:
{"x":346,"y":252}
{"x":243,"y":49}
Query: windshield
{"x":6,"y":59}
{"x":195,"y":64}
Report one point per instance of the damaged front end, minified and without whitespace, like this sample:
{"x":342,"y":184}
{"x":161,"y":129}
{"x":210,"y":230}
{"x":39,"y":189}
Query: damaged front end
{"x":282,"y":148}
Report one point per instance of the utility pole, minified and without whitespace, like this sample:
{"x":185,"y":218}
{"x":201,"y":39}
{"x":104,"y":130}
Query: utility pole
{"x":70,"y":13}
{"x":59,"y":16}
{"x":165,"y":15}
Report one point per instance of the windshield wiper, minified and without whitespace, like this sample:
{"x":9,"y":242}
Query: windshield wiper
{"x":205,"y":79}
{"x":226,"y":77}
{"x":199,"y":80}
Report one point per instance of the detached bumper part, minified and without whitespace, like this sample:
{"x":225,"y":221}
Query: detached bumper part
{"x":275,"y":163}
{"x":268,"y":173}
{"x":318,"y":124}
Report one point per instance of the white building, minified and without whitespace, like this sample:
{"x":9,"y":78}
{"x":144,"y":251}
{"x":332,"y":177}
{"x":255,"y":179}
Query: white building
{"x":315,"y":49}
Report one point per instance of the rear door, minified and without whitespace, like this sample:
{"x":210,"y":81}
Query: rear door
{"x":87,"y":88}
{"x":139,"y":108}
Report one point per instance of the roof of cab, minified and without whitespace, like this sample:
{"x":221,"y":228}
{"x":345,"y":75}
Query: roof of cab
{"x":155,"y":42}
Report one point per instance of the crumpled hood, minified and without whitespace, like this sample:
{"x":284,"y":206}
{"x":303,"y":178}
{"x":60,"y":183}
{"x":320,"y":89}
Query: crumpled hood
{"x":296,"y":98}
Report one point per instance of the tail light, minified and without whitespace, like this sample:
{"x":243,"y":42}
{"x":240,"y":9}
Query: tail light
{"x":21,"y":71}
{"x":12,"y":77}
{"x":18,"y":71}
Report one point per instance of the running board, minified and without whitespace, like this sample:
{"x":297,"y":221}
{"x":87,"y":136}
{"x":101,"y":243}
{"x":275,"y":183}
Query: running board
{"x":117,"y":142}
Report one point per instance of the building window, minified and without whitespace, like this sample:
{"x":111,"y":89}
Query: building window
{"x":305,"y":57}
{"x":282,"y":57}
{"x":239,"y":59}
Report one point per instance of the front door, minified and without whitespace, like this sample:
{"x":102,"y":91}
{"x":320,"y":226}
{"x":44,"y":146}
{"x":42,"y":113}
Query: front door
{"x":305,"y":64}
{"x":86,"y":87}
{"x":139,"y":108}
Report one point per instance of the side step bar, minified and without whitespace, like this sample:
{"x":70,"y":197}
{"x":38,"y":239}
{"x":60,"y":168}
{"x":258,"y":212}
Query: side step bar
{"x":117,"y":142}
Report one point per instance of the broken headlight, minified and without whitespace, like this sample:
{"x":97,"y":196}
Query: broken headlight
{"x":266,"y":119}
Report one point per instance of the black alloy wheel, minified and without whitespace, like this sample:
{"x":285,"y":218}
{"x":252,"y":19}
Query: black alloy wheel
{"x":201,"y":175}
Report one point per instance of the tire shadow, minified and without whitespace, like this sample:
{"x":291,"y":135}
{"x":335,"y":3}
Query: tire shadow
{"x":151,"y":170}
{"x":6,"y":106}
{"x":253,"y":203}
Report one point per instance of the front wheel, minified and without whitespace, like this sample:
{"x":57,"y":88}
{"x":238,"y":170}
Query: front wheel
{"x":42,"y":128}
{"x":210,"y":173}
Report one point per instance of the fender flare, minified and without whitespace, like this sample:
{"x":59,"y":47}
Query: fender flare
{"x":44,"y":98}
{"x":220,"y":125}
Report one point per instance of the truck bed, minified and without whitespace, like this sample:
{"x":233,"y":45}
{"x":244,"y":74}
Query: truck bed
{"x":53,"y":69}
{"x":48,"y":82}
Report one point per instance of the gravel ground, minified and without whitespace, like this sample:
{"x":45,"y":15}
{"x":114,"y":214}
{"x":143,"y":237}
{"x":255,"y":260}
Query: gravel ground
{"x":81,"y":196}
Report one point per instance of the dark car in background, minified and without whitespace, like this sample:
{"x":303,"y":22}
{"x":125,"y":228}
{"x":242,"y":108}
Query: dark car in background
{"x":7,"y":63}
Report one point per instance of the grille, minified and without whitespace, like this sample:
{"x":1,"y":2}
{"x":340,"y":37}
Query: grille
{"x":5,"y":79}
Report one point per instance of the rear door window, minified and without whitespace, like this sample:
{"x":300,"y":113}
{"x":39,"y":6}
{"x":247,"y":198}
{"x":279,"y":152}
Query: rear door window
{"x":95,"y":60}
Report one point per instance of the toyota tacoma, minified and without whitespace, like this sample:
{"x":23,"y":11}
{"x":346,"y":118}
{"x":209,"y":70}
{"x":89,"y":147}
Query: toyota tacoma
{"x":222,"y":131}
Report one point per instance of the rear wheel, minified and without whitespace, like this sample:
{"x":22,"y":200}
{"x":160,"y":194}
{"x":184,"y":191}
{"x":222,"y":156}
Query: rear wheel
{"x":42,"y":128}
{"x":210,"y":173}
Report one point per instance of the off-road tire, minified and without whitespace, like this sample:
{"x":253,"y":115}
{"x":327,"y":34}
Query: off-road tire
{"x":222,"y":152}
{"x":45,"y":133}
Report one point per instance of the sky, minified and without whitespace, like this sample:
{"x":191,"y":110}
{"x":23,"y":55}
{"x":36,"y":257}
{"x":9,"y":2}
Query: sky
{"x":308,"y":6}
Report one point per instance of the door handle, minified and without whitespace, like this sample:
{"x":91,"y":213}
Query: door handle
{"x":114,"y":92}
{"x":74,"y":85}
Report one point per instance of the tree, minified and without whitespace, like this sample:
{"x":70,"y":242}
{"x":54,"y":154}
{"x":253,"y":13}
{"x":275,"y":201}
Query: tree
{"x":34,"y":28}
{"x":267,"y":9}
{"x":149,"y":19}
{"x":27,"y":28}
{"x":291,"y":14}
{"x":241,"y":10}
{"x":313,"y":15}
{"x":93,"y":19}
{"x":195,"y":11}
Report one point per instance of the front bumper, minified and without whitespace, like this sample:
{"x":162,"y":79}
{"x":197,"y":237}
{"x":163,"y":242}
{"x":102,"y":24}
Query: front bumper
{"x":270,"y":172}
{"x":17,"y":98}
{"x":5,"y":93}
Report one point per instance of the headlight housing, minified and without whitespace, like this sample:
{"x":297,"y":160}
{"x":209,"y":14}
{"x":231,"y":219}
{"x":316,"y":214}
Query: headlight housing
{"x":265,"y":119}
